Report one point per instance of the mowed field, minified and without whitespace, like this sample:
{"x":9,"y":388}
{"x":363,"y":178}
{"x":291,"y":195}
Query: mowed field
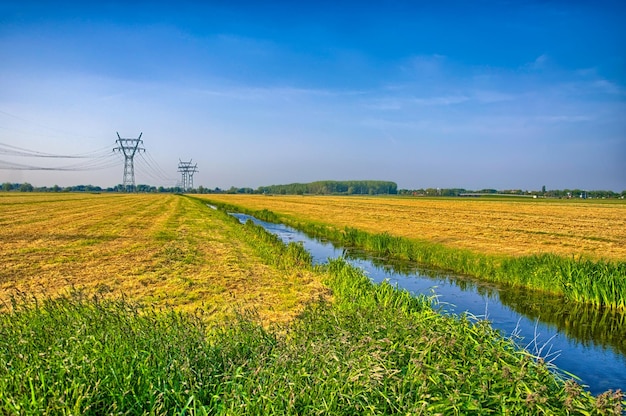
{"x":163,"y":250}
{"x":591,"y":228}
{"x":371,"y":350}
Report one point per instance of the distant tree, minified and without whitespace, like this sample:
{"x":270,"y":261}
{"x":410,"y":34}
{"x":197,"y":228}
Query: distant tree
{"x":91,"y":188}
{"x":452,"y":191}
{"x":26,"y":187}
{"x":6,"y":187}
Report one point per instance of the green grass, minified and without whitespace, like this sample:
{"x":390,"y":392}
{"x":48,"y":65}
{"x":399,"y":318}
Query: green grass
{"x":274,"y":251}
{"x":81,"y":355}
{"x":373,"y":350}
{"x":600,"y":283}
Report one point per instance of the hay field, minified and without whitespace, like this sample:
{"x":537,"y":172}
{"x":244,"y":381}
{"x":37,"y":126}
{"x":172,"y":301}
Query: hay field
{"x":158,"y":249}
{"x":594,"y":229}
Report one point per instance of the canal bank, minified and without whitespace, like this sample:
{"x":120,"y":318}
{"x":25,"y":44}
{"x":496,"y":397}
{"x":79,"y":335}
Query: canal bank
{"x":582,"y":341}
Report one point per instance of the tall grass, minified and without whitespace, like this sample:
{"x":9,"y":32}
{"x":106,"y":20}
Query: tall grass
{"x":599,"y":283}
{"x":372,"y":350}
{"x":282,"y":255}
{"x":79,"y":355}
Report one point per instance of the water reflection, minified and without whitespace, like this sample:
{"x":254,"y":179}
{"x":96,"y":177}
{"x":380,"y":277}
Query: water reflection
{"x":586,"y":324}
{"x":582,"y":340}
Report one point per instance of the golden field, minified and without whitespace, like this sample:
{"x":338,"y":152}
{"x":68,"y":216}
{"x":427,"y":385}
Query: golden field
{"x":157,"y":249}
{"x":592,"y":228}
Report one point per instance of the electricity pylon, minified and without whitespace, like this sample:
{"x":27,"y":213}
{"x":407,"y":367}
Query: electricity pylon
{"x":129,"y":147}
{"x":187,"y":171}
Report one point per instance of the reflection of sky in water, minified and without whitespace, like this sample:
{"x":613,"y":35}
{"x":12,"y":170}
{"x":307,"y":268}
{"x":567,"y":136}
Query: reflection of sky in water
{"x":601,"y":366}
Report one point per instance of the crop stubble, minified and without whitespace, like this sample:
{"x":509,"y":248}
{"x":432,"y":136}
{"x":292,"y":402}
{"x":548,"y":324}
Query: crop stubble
{"x":159,"y":249}
{"x":502,"y":227}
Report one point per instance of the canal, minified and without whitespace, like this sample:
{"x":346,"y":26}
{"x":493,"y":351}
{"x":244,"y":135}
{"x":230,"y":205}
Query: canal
{"x":587,"y":342}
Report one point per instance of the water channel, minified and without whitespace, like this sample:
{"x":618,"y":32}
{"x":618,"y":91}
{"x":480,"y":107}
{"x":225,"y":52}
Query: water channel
{"x":587,"y":342}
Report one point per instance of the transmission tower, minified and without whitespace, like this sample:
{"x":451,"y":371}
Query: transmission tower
{"x":187,"y":170}
{"x":129,"y":147}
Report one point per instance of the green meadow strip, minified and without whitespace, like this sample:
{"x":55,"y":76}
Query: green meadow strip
{"x":600,"y":283}
{"x":372,"y":350}
{"x":273,"y":251}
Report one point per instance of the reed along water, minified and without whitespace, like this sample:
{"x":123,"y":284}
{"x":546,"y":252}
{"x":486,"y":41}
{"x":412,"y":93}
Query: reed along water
{"x":585,"y":341}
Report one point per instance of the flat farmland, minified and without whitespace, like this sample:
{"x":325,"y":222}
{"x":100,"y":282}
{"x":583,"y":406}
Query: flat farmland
{"x":516,"y":227}
{"x":164,"y":250}
{"x":371,"y":349}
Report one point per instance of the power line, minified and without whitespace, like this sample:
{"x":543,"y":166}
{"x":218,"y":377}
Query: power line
{"x":144,"y":169}
{"x":98,"y":159}
{"x":154,"y":162}
{"x":95,"y":164}
{"x":11,"y":150}
{"x":102,"y":162}
{"x":152,"y":168}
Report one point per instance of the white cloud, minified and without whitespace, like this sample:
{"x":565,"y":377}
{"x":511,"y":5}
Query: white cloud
{"x":540,"y":62}
{"x":608,"y":87}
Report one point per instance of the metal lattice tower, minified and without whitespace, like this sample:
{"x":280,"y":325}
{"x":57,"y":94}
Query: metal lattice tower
{"x":187,"y":170}
{"x":129,"y":147}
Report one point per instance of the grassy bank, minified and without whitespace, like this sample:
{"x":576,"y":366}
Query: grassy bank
{"x":596,"y":282}
{"x":372,"y":350}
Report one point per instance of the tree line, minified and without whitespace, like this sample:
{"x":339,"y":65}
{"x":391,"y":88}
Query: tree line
{"x":27,"y":187}
{"x":333,"y":188}
{"x":316,"y":188}
{"x":327,"y":188}
{"x":543,"y":193}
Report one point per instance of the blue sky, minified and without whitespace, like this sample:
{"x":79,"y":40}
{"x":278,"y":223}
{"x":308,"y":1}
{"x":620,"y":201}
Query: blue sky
{"x":485,"y":94}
